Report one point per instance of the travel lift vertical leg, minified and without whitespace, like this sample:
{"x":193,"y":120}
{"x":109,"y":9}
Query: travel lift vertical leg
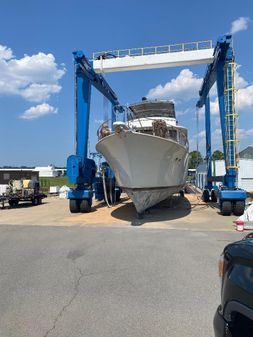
{"x":208,"y":191}
{"x":231,"y":198}
{"x":81,"y":170}
{"x":221,"y":70}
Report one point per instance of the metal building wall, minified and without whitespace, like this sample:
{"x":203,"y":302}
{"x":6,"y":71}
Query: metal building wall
{"x":245,"y":176}
{"x":245,"y":173}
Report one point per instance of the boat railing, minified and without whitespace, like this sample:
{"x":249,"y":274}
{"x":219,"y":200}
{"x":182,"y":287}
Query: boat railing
{"x":170,"y":48}
{"x":178,"y":135}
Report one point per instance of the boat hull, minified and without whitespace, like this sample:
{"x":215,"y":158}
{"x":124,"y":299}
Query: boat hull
{"x":147,"y":167}
{"x":146,"y":198}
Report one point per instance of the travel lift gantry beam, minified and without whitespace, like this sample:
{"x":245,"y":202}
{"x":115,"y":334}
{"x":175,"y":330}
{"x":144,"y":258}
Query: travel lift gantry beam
{"x":80,"y":169}
{"x":222,"y":71}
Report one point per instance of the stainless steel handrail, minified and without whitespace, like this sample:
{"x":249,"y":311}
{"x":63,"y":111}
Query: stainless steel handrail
{"x":171,"y":48}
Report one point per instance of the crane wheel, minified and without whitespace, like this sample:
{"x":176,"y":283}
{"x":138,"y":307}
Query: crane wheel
{"x":205,"y":196}
{"x":213,"y":196}
{"x":74,"y":205}
{"x":118,"y":193}
{"x":226,"y":208}
{"x":85,"y":206}
{"x":238,"y":208}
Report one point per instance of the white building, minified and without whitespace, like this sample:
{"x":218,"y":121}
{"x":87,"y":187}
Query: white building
{"x":47,"y":171}
{"x":245,"y":173}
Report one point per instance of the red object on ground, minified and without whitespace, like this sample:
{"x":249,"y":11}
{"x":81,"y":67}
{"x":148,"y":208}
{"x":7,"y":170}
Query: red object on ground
{"x":239,"y":225}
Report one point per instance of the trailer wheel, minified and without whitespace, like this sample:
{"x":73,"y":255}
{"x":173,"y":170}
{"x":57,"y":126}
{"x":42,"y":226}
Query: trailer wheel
{"x":213,"y":196}
{"x":226,"y":208}
{"x":11,"y":203}
{"x":34,"y":201}
{"x":239,"y":207}
{"x":85,"y":206}
{"x":74,"y":205}
{"x":205,"y":196}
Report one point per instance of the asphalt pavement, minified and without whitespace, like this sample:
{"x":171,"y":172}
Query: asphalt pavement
{"x":101,"y":282}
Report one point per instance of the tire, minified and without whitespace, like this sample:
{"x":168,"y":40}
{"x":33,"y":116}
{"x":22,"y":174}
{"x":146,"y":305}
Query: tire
{"x":205,"y":196}
{"x":213,"y":196}
{"x":11,"y":203}
{"x":181,"y":193}
{"x":74,"y":205}
{"x":226,"y":208}
{"x":85,"y":206}
{"x":118,"y":193}
{"x":34,"y":201}
{"x":239,"y":208}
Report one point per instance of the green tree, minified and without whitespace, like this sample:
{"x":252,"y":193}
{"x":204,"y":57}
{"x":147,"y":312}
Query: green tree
{"x":195,"y":159}
{"x":217,"y":155}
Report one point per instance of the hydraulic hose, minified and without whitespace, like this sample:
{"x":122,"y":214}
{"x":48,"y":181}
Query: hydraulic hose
{"x":105,"y":192}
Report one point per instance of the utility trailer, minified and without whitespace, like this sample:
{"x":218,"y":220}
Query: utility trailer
{"x":34,"y":198}
{"x":2,"y":200}
{"x":18,"y":192}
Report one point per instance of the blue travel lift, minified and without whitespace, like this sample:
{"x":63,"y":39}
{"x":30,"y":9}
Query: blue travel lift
{"x":81,"y":170}
{"x":222,"y":71}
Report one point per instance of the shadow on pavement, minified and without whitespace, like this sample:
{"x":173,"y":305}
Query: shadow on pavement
{"x":170,"y":209}
{"x":23,"y":204}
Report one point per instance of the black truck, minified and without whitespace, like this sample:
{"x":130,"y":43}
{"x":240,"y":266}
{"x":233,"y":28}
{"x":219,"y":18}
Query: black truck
{"x":234,"y":316}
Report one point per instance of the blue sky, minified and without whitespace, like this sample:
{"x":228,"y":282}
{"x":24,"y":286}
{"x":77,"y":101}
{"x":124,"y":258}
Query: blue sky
{"x":36,"y":90}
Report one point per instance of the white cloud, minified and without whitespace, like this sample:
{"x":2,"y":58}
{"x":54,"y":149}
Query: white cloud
{"x":214,"y":107}
{"x":40,"y":92}
{"x":243,"y":133}
{"x":5,"y":53}
{"x":201,"y":134}
{"x":240,"y":82}
{"x":38,"y":111}
{"x":35,"y":78}
{"x":216,"y":133}
{"x":244,"y":100}
{"x":184,"y":87}
{"x":239,"y":24}
{"x":185,"y":111}
{"x":200,"y":138}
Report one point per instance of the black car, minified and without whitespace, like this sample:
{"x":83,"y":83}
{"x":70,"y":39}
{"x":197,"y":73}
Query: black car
{"x":234,"y":317}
